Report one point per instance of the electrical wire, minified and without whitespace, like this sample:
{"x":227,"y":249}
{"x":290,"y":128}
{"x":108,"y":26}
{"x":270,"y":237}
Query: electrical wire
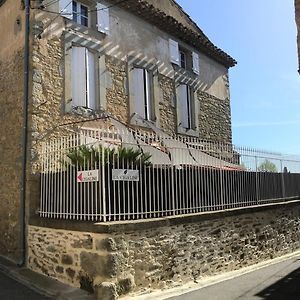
{"x":90,"y":10}
{"x":50,"y":3}
{"x":58,"y":14}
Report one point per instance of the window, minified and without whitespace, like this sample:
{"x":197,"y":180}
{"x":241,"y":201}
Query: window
{"x":183,"y":57}
{"x":142,"y":93}
{"x":185,"y":106}
{"x":83,"y":78}
{"x":80,"y":13}
{"x":182,"y":60}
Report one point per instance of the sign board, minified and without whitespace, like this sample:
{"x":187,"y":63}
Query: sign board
{"x":88,"y":176}
{"x":125,"y":175}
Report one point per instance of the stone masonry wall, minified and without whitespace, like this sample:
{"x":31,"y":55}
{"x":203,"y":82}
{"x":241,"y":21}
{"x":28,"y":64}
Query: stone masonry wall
{"x":117,"y":97}
{"x":167,"y":109}
{"x":165,"y":256}
{"x":48,"y":117}
{"x":11,"y":101}
{"x":214,"y":118}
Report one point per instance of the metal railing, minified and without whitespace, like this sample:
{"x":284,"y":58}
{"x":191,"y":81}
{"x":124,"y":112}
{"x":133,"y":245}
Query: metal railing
{"x":110,"y":174}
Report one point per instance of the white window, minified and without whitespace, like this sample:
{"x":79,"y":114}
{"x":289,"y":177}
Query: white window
{"x":142,"y":93}
{"x":174,"y":52}
{"x":183,"y":62}
{"x":185,"y":106}
{"x":196,"y":66}
{"x":80,"y":13}
{"x":83,"y":78}
{"x":102,"y":18}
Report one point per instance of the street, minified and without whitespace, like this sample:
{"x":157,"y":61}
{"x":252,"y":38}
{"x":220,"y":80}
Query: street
{"x":280,"y":281}
{"x":13,"y":290}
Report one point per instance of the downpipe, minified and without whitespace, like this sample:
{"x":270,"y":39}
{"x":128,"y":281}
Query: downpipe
{"x":24,"y":138}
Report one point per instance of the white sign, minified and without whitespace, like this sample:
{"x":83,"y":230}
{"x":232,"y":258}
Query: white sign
{"x":125,"y":175}
{"x":88,"y":176}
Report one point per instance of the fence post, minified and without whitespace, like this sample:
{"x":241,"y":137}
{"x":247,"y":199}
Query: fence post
{"x":256,"y":181}
{"x":220,"y":149}
{"x":173,"y":176}
{"x":103,"y":185}
{"x":282,"y":180}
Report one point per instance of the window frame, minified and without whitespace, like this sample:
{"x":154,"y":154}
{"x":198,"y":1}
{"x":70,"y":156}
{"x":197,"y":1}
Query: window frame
{"x":148,"y":93}
{"x":192,"y":107}
{"x":90,"y":96}
{"x":77,"y":15}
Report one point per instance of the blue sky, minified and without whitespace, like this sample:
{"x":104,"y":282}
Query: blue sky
{"x":265,"y":85}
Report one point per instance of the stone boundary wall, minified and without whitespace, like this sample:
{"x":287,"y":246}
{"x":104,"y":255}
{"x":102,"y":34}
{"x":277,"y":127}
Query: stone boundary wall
{"x":138,"y":258}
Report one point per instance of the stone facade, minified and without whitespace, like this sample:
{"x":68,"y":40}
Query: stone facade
{"x":116,"y":93}
{"x":165,"y":256}
{"x":11,"y":114}
{"x":214,"y":118}
{"x":167,"y":110}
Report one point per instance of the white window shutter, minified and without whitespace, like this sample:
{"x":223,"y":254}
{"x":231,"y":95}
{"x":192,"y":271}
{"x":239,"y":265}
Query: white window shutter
{"x":102,"y":18}
{"x":182,"y":106}
{"x":196,"y":66}
{"x":65,"y":8}
{"x":91,"y":80}
{"x":78,"y":76}
{"x":138,"y":92}
{"x":174,"y":52}
{"x":148,"y":96}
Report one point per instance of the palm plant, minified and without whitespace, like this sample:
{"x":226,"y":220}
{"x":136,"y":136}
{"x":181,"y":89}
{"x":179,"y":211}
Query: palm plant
{"x":84,"y":156}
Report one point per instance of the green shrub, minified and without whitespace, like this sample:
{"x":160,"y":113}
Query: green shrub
{"x":96,"y":156}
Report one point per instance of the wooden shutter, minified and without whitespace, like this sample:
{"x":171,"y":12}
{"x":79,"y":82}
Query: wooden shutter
{"x":196,"y":66}
{"x":78,"y":76}
{"x":66,"y":8}
{"x":103,"y":18}
{"x":182,"y":106}
{"x":174,"y":52}
{"x":91,"y":80}
{"x":138,"y":92}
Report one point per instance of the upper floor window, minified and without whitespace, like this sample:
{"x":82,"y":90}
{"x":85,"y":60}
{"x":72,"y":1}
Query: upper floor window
{"x":183,"y":57}
{"x":183,"y":63}
{"x":83,"y":77}
{"x":142,"y":93}
{"x":80,"y":13}
{"x":185,"y":106}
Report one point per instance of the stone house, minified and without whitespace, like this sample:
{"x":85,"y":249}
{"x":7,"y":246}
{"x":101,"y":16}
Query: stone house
{"x":138,"y":62}
{"x":131,"y":60}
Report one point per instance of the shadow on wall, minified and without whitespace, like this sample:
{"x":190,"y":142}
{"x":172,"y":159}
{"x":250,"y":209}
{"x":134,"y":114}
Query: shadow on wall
{"x":286,"y":288}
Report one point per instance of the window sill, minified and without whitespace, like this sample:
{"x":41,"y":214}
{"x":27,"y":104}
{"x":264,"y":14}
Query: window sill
{"x":86,"y":30}
{"x":188,"y":132}
{"x":183,"y":71}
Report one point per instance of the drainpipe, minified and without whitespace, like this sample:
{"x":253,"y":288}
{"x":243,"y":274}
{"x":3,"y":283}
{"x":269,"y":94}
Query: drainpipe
{"x":24,"y":138}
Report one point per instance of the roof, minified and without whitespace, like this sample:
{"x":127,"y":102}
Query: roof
{"x":186,"y":30}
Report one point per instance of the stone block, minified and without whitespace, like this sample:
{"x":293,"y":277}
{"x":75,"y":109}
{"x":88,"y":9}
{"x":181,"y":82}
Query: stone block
{"x":94,"y":264}
{"x":125,"y":285}
{"x":67,"y":259}
{"x":106,"y":291}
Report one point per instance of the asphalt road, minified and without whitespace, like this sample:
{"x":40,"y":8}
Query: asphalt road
{"x":276,"y":282}
{"x":13,"y":290}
